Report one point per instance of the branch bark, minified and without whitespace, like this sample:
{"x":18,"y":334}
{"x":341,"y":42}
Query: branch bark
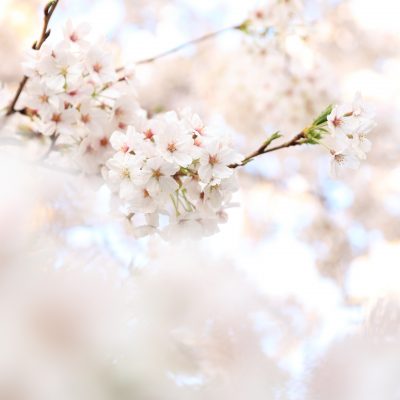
{"x":264,"y":149}
{"x":182,"y":46}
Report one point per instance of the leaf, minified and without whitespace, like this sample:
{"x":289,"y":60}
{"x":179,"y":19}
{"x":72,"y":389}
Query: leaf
{"x":244,"y":26}
{"x":322,"y":118}
{"x":273,"y":137}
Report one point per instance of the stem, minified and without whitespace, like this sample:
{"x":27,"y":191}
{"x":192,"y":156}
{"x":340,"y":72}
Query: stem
{"x":48,"y":12}
{"x":52,"y":146}
{"x":296,"y":141}
{"x":189,"y":43}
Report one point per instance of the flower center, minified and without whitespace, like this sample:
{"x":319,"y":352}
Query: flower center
{"x":213,"y":159}
{"x":124,"y":148}
{"x":337,"y":122}
{"x":157,"y":173}
{"x":44,"y":98}
{"x":85,"y":118}
{"x":149,"y":134}
{"x":259,"y":14}
{"x":56,"y":118}
{"x":171,"y":147}
{"x":103,"y":142}
{"x":339,"y":158}
{"x":125,"y":173}
{"x":74,"y":37}
{"x":119,"y":112}
{"x":97,"y":68}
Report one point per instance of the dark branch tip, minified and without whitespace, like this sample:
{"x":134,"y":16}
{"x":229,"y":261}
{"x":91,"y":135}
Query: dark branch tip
{"x":49,"y":8}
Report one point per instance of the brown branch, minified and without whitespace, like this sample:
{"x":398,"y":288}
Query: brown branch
{"x":48,"y":12}
{"x":189,"y":43}
{"x":264,"y":149}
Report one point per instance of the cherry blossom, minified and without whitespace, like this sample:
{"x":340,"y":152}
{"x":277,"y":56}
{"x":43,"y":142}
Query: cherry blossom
{"x":92,"y":117}
{"x":99,"y":65}
{"x":157,"y":177}
{"x":158,"y":169}
{"x":344,"y":159}
{"x":75,"y":95}
{"x":41,"y":98}
{"x":169,"y":172}
{"x":60,"y":121}
{"x":76,"y":34}
{"x":123,"y":169}
{"x":340,"y":120}
{"x":174,"y":144}
{"x":348,"y":128}
{"x":215,"y":160}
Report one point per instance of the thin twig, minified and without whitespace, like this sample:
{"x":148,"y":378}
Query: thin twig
{"x":53,"y":140}
{"x":190,"y":43}
{"x":48,"y":12}
{"x":296,"y":141}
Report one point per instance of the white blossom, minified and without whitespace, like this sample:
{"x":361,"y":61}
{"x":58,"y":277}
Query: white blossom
{"x":178,"y":185}
{"x":60,"y":121}
{"x":123,"y":169}
{"x":174,"y":144}
{"x":76,"y":34}
{"x":215,"y":160}
{"x":92,"y":117}
{"x":344,"y":159}
{"x":74,"y":93}
{"x":169,"y":171}
{"x":157,"y":177}
{"x":41,"y":98}
{"x":349,"y":126}
{"x":99,"y":65}
{"x":340,"y":120}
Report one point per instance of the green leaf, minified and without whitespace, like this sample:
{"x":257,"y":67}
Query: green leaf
{"x":244,"y":26}
{"x":322,"y":118}
{"x":273,"y":137}
{"x":312,"y":141}
{"x":313,"y":135}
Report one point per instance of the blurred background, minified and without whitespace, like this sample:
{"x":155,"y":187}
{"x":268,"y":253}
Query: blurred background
{"x":296,"y":298}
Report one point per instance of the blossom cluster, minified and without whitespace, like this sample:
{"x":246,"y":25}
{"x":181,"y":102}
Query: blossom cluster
{"x":172,"y":175}
{"x":270,"y":22}
{"x":169,"y":171}
{"x":275,"y":14}
{"x":349,"y":126}
{"x":75,"y":96}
